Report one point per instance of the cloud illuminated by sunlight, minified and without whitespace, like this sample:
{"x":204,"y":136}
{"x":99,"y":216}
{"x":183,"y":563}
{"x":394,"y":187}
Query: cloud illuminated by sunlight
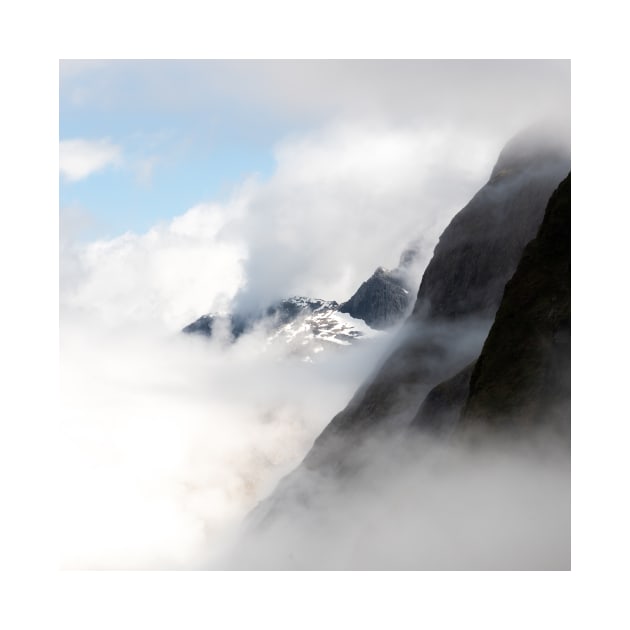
{"x":80,"y":158}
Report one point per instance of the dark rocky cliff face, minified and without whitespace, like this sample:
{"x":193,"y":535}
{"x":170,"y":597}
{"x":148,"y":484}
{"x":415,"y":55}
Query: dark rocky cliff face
{"x":523,"y":373}
{"x":478,"y":252}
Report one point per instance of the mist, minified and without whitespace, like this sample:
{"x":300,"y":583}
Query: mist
{"x":417,"y":502}
{"x":169,"y":440}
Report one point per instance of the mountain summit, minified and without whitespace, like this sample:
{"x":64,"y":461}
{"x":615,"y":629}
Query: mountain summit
{"x":386,"y":297}
{"x":379,"y":303}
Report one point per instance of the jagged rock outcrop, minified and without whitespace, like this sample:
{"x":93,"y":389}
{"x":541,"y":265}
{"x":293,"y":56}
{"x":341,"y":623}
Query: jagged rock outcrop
{"x":387,"y":296}
{"x":381,"y":301}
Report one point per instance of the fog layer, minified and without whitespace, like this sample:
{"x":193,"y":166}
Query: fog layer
{"x":168,"y":441}
{"x":418,"y":503}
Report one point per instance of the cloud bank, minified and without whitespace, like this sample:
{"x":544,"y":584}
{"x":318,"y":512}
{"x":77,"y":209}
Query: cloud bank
{"x":495,"y":97}
{"x":343,"y":200}
{"x":167,"y":441}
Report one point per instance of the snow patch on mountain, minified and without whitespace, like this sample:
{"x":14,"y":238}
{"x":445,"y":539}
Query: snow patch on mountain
{"x":326,"y":327}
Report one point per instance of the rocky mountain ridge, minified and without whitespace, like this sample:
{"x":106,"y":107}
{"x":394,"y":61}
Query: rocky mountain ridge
{"x":381,"y":302}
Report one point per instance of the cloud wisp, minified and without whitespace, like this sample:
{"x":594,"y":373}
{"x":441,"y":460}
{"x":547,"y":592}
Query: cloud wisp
{"x":80,"y":158}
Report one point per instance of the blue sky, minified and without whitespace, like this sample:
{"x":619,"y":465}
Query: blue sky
{"x":183,"y":173}
{"x":173,"y":152}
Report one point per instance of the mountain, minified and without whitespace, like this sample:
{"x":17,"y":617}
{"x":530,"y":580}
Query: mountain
{"x":277,"y":315}
{"x":479,"y":250}
{"x":380,"y":303}
{"x":306,"y":325}
{"x":472,"y":353}
{"x":313,"y":330}
{"x":522,"y":376}
{"x":460,"y":290}
{"x":386,"y":297}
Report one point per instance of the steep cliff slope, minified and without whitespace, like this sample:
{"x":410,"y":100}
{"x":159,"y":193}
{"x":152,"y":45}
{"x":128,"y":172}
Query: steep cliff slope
{"x":478,"y":252}
{"x":523,"y":375}
{"x":441,"y":410}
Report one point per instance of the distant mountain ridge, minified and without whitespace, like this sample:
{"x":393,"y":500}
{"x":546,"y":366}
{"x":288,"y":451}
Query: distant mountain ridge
{"x":380,"y":302}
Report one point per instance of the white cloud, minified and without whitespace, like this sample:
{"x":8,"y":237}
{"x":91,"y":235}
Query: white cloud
{"x":349,"y":197}
{"x":343,"y":200}
{"x":168,"y":440}
{"x":168,"y":276}
{"x":79,"y":158}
